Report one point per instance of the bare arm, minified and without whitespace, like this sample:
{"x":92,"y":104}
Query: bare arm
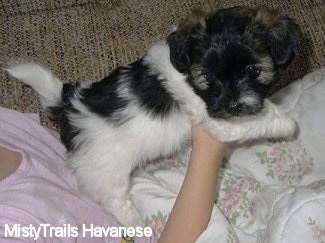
{"x":192,"y":209}
{"x":9,"y":162}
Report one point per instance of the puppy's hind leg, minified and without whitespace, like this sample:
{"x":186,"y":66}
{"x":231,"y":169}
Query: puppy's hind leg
{"x":121,"y":206}
{"x":108,"y":183}
{"x":118,"y":201}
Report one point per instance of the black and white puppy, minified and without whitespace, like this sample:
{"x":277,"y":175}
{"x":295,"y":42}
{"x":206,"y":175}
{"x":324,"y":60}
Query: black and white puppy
{"x":219,"y":66}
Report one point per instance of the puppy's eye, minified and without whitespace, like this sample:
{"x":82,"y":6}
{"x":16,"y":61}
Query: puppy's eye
{"x":208,"y":75}
{"x":253,"y":71}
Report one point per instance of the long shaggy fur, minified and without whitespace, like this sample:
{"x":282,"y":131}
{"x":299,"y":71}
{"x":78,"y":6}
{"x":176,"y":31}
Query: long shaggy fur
{"x":216,"y":69}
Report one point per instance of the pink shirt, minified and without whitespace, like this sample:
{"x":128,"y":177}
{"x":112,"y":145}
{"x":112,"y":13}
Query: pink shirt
{"x":42,"y":194}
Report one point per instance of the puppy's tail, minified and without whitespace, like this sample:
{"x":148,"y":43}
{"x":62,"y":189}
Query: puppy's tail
{"x":48,"y":86}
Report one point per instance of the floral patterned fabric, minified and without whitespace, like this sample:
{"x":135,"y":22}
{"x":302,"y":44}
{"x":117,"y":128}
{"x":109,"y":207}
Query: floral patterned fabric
{"x":268,"y":191}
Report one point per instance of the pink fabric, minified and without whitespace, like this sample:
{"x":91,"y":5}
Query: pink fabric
{"x":42,"y":190}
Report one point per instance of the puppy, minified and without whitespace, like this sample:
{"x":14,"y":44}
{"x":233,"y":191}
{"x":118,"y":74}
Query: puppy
{"x":216,"y":69}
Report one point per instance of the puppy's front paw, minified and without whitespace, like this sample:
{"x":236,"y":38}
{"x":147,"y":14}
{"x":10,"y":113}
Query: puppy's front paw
{"x":272,"y":122}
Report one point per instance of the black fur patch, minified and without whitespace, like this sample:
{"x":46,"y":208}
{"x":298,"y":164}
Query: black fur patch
{"x":67,"y":131}
{"x":149,"y":90}
{"x":102,"y":97}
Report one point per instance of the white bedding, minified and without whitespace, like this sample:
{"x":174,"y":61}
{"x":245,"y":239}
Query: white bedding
{"x":267,"y":192}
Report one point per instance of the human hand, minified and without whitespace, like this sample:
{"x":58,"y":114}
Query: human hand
{"x":204,"y":145}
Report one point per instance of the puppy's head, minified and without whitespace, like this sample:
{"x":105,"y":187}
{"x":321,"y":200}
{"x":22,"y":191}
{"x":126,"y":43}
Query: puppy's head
{"x":233,"y":57}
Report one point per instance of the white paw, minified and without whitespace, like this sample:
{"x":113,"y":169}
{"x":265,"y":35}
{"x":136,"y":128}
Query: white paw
{"x":126,"y":213}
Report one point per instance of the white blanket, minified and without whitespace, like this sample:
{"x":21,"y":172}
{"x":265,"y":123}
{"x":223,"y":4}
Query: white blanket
{"x":268,"y":191}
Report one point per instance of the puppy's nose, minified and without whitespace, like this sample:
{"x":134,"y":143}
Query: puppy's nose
{"x":234,"y":108}
{"x":233,"y":104}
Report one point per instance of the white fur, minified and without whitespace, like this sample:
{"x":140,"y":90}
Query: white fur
{"x":270,"y":123}
{"x":107,"y":153}
{"x":248,"y":98}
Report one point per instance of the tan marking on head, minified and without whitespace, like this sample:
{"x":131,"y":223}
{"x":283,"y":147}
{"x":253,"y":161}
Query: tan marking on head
{"x":267,"y":16}
{"x":245,"y":12}
{"x":197,"y":16}
{"x":266,"y":65}
{"x":198,"y":78}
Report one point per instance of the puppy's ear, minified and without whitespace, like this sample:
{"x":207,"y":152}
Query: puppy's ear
{"x":283,"y":36}
{"x":188,"y":35}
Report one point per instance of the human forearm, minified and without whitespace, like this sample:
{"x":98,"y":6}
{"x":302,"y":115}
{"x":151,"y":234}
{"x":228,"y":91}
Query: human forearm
{"x":192,"y":209}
